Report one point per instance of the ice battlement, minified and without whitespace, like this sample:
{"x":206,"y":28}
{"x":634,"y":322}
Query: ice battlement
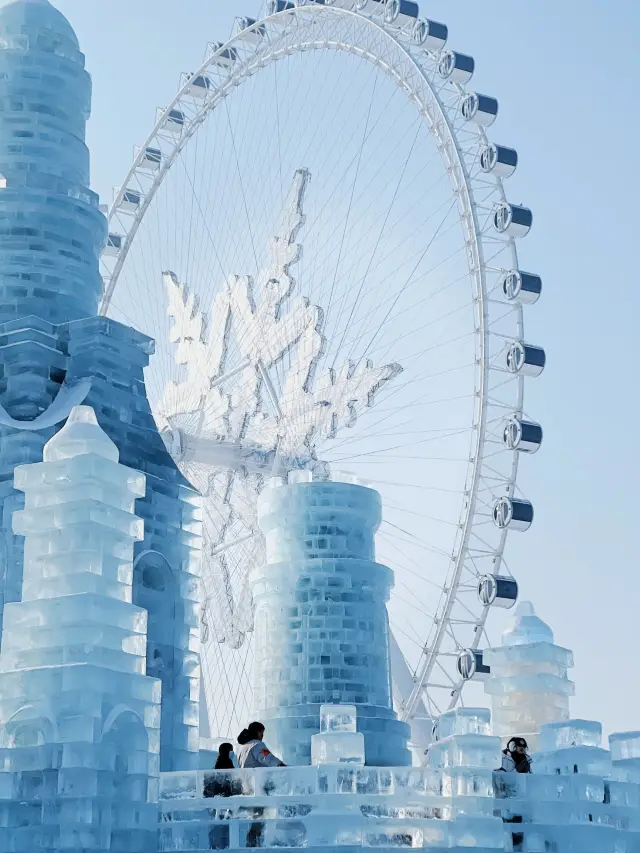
{"x":580,"y":799}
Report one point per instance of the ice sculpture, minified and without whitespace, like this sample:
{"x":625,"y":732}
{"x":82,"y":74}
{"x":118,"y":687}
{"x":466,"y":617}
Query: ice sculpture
{"x":79,"y":718}
{"x":321,"y":625}
{"x":578,"y":800}
{"x":339,"y":741}
{"x":528,"y":684}
{"x":56,"y":353}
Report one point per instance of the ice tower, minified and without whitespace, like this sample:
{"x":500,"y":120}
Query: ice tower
{"x":321,"y":625}
{"x":56,"y":353}
{"x":79,"y":718}
{"x":529,"y":686}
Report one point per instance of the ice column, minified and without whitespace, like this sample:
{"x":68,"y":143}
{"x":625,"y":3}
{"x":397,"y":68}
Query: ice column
{"x":321,"y":624}
{"x":528,"y":683}
{"x":79,"y":718}
{"x":52,"y":230}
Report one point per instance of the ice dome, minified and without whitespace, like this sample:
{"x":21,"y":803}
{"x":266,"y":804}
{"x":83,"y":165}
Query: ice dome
{"x":81,"y":434}
{"x":526,"y":628}
{"x":36,"y":15}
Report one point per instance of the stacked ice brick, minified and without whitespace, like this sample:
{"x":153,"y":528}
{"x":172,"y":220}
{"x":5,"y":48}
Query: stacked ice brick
{"x":321,"y":625}
{"x":529,"y":685}
{"x":51,"y":234}
{"x":56,"y":353}
{"x":51,"y":230}
{"x":577,"y":800}
{"x":466,"y":756}
{"x":339,"y":741}
{"x":339,"y":804}
{"x":79,"y":718}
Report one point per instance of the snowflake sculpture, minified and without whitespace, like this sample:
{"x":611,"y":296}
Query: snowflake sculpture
{"x":229,"y":427}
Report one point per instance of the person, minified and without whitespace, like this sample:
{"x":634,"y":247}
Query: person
{"x":224,"y":760}
{"x":515,"y":758}
{"x":222,"y":785}
{"x":253,"y":751}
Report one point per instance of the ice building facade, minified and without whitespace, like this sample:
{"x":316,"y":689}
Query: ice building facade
{"x":321,"y":625}
{"x":79,"y":716}
{"x":56,"y":353}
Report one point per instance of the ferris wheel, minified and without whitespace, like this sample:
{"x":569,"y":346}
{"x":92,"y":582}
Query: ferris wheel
{"x":316,"y":233}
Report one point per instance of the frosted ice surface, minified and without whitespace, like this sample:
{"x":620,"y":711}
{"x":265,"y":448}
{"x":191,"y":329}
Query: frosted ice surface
{"x":338,"y":718}
{"x":624,"y":745}
{"x":526,"y":627}
{"x":528,"y":684}
{"x":570,"y":733}
{"x":337,"y":748}
{"x":462,"y":721}
{"x":79,"y":436}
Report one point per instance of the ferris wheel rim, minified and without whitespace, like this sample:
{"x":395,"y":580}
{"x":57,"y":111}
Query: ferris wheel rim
{"x":394,"y":38}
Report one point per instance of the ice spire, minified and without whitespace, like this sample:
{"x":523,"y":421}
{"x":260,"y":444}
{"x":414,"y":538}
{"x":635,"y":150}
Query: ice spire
{"x":76,"y":707}
{"x":52,"y":230}
{"x":528,"y":684}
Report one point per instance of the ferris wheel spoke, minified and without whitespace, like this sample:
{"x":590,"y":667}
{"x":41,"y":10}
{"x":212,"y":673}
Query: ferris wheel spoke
{"x":400,"y":347}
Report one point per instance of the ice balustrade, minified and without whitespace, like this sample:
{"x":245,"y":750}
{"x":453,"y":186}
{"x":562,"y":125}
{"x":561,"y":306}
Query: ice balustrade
{"x":580,"y":799}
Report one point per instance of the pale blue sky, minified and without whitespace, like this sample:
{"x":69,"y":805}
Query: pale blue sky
{"x":567,"y":76}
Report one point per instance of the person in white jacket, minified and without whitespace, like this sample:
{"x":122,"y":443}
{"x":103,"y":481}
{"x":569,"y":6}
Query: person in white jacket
{"x":253,"y":751}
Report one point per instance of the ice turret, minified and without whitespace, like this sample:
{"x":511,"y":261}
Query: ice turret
{"x":51,"y":228}
{"x":528,"y":684}
{"x":321,"y":625}
{"x":79,"y":718}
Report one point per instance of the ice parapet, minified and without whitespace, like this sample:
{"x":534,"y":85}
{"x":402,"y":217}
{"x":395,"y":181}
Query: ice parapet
{"x":528,"y":683}
{"x":79,"y":717}
{"x":451,"y":804}
{"x":321,"y":626}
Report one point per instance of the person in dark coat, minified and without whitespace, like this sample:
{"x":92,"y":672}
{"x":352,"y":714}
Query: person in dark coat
{"x":515,"y":758}
{"x":224,"y":760}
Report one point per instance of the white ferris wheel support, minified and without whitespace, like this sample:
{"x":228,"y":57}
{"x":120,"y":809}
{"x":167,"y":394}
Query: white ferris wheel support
{"x":410,"y":51}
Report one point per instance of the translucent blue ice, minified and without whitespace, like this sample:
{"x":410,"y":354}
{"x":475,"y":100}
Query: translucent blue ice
{"x":79,"y":717}
{"x":576,"y":801}
{"x":51,"y":229}
{"x":56,"y":353}
{"x":321,"y":624}
{"x":528,"y":683}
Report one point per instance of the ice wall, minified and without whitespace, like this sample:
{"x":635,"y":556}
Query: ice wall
{"x":321,"y":625}
{"x":528,"y":684}
{"x":79,"y":718}
{"x":581,"y":798}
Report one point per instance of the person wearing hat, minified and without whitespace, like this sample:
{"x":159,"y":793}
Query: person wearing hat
{"x":515,"y":758}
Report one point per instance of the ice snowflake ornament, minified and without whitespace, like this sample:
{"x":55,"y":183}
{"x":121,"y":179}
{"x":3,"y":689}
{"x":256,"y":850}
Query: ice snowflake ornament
{"x":228,"y":423}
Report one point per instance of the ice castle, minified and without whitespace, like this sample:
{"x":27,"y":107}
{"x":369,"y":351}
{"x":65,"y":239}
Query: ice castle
{"x":56,"y":353}
{"x":99,"y":588}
